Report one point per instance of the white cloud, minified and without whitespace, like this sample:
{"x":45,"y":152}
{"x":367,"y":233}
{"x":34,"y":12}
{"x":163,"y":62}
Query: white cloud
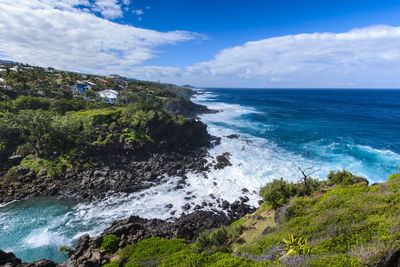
{"x":365,"y":57}
{"x":109,"y":9}
{"x":138,"y":12}
{"x":56,"y":33}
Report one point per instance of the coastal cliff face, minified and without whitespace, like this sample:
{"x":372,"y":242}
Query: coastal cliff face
{"x":116,"y":166}
{"x":57,"y":144}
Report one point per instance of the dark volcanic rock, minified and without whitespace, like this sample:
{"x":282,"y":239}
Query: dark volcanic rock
{"x":280,"y":214}
{"x":238,"y":209}
{"x":223,"y":161}
{"x":391,"y":260}
{"x":232,"y":136}
{"x":8,"y":258}
{"x":115,"y":168}
{"x":134,"y":229}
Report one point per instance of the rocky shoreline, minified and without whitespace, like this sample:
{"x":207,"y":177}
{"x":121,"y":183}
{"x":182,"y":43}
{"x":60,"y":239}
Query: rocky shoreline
{"x":125,"y":168}
{"x":87,"y":250}
{"x":119,"y":167}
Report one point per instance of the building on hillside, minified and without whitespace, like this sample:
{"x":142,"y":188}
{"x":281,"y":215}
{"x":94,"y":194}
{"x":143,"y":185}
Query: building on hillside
{"x":102,"y":80}
{"x":109,"y":95}
{"x":4,"y":85}
{"x":82,"y":87}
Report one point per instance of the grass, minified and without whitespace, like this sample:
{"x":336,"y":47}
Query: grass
{"x":356,"y":223}
{"x":343,"y":225}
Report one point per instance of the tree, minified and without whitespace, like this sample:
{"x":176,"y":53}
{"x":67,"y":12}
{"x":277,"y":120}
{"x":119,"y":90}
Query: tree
{"x":306,"y":180}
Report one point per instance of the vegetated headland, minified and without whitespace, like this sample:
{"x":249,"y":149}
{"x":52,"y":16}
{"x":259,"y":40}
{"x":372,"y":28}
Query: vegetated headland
{"x":87,"y":136}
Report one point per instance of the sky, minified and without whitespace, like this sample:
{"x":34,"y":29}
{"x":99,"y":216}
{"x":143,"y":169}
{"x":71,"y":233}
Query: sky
{"x":219,"y":43}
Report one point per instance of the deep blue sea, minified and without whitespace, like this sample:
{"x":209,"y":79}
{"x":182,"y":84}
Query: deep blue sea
{"x":356,"y":130}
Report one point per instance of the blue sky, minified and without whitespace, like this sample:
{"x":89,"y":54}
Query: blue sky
{"x":219,"y":43}
{"x":230,"y":23}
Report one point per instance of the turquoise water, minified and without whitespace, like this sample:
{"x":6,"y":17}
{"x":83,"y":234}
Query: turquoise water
{"x":357,"y":130}
{"x":33,"y":229}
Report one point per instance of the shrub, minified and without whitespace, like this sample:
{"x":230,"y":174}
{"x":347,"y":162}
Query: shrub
{"x":394,"y":177}
{"x":30,"y":102}
{"x":313,"y":185}
{"x":112,"y":264}
{"x":154,"y":248}
{"x":234,"y":231}
{"x":186,"y":258}
{"x":218,"y":236}
{"x":110,"y":243}
{"x":65,"y":250}
{"x":344,"y":177}
{"x":277,"y":192}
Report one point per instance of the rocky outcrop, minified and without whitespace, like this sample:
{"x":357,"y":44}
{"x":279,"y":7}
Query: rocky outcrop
{"x":134,"y":229}
{"x":117,"y":166}
{"x":391,"y":260}
{"x":223,"y":161}
{"x":187,"y":108}
{"x":10,"y":260}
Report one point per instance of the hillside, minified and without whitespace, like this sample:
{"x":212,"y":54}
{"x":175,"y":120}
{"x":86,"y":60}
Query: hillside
{"x":59,"y":128}
{"x":341,"y":222}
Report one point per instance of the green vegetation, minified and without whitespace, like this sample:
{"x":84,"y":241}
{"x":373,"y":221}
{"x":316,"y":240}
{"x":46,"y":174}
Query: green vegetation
{"x":347,"y":224}
{"x":44,"y":118}
{"x":65,"y":250}
{"x":295,"y":246}
{"x":110,"y":243}
{"x":277,"y":192}
{"x":354,"y":223}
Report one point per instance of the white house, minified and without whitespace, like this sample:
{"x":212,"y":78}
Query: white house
{"x":109,"y":95}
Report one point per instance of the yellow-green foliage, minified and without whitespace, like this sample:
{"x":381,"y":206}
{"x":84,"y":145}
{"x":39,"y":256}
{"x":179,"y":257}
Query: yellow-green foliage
{"x":343,"y":177}
{"x":278,"y":192}
{"x":347,"y":222}
{"x":52,"y":168}
{"x":394,"y":177}
{"x":157,"y":251}
{"x":339,"y":260}
{"x":112,"y":264}
{"x":296,"y":246}
{"x":218,"y":238}
{"x":152,"y":250}
{"x":187,"y":258}
{"x":99,"y":116}
{"x":110,"y":243}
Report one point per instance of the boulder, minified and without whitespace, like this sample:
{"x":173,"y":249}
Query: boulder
{"x":8,"y":258}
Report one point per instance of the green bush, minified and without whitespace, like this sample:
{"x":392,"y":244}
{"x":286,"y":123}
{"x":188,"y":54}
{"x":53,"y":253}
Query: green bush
{"x":30,"y":102}
{"x":344,"y":177}
{"x":313,"y":185}
{"x":277,"y":192}
{"x":394,"y":177}
{"x":219,"y":236}
{"x":154,"y":248}
{"x":110,"y":243}
{"x":100,"y":116}
{"x":112,"y":264}
{"x":186,"y":258}
{"x":65,"y":250}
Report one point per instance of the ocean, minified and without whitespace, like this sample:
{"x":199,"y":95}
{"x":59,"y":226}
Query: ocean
{"x":279,"y":129}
